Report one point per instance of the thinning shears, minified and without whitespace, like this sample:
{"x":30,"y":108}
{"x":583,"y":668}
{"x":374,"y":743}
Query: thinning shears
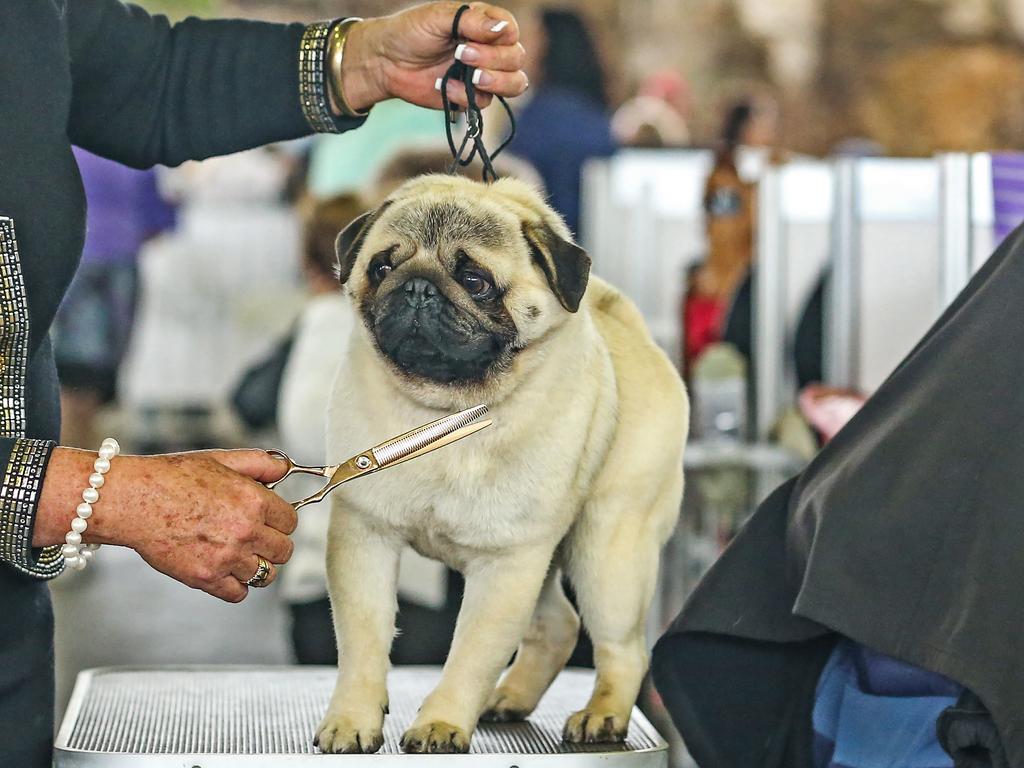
{"x":416,"y":442}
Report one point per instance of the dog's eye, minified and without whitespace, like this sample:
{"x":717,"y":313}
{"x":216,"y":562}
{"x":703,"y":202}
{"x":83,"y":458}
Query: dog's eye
{"x":478,"y":286}
{"x":381,"y":271}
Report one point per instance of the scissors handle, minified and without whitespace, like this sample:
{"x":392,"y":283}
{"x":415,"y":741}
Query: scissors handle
{"x":418,"y":442}
{"x":295,"y":469}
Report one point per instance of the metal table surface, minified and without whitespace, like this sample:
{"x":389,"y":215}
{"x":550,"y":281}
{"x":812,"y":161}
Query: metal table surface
{"x":265,"y":717}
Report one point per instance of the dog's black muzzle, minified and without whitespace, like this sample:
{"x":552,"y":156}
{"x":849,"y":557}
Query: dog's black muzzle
{"x":426,"y":334}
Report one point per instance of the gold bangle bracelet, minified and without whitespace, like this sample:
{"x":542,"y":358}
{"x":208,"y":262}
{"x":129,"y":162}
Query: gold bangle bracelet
{"x":336,"y":55}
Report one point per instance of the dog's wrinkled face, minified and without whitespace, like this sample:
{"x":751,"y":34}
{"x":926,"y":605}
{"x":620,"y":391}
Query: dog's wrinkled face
{"x":453,"y":278}
{"x":441,"y":318}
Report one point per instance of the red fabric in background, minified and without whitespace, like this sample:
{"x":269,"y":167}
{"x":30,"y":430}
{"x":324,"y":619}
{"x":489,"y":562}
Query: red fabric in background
{"x":702,"y":323}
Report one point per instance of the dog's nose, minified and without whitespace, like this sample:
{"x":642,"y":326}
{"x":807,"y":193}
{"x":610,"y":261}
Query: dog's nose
{"x":419,"y":291}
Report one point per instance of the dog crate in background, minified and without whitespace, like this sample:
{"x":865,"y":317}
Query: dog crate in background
{"x":908,"y":236}
{"x":794,"y":239}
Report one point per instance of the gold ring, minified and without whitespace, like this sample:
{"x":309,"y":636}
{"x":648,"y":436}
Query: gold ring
{"x":259,"y":579}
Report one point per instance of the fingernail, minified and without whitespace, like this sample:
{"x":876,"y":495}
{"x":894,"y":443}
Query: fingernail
{"x":466,"y":54}
{"x":437,"y":84}
{"x":499,"y":26}
{"x":482,"y":77}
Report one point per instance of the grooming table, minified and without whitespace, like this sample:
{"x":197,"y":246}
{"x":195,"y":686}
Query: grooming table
{"x":265,"y":717}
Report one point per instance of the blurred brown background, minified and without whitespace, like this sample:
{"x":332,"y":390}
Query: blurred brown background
{"x":915,"y":76}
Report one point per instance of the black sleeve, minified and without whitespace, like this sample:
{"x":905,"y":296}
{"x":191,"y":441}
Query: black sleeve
{"x":146,"y":92}
{"x":969,"y":735}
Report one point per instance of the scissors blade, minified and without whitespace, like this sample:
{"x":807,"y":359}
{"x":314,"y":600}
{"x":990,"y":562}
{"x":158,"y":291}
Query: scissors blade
{"x":458,"y":434}
{"x":416,"y":442}
{"x":401,"y":447}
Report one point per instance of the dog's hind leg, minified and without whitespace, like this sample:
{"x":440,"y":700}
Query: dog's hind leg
{"x":613,"y":564}
{"x":546,"y":647}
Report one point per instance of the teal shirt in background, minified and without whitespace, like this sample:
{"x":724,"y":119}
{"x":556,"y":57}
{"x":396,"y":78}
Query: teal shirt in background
{"x":349,"y":162}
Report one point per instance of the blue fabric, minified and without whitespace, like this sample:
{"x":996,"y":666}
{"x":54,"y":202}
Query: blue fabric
{"x":873,"y":711}
{"x":881,"y":731}
{"x":557,"y":131}
{"x":885,"y":676}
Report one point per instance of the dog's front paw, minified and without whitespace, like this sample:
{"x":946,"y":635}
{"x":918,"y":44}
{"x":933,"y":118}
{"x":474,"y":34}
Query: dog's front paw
{"x":350,"y":734}
{"x":505,"y":707}
{"x":590,"y":727}
{"x":435,"y":738}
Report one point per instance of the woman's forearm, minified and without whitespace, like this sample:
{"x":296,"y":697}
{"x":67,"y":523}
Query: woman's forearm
{"x":145,"y":91}
{"x":66,"y":477}
{"x":115,"y":515}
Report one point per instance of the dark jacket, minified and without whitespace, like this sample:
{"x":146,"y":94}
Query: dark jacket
{"x":558,"y":131}
{"x":131,"y":87}
{"x":905,"y":534}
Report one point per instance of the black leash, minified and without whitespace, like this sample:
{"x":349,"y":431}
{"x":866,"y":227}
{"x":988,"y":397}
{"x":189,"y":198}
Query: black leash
{"x":474,"y":138}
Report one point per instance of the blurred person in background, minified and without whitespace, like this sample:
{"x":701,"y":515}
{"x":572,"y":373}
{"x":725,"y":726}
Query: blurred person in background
{"x":657,"y":115}
{"x":319,"y":342}
{"x":213,"y":293}
{"x":93,"y":324}
{"x":566,"y":121}
{"x":115,"y":80}
{"x":756,"y":119}
{"x":729,"y":208}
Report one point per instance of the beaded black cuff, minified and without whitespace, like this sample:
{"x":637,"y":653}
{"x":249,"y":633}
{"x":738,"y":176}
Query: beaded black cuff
{"x":22,"y":478}
{"x":20,"y":489}
{"x":313,"y":83}
{"x":13,"y":334}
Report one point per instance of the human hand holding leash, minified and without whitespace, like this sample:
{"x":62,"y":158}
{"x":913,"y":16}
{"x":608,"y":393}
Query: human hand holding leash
{"x":404,"y":55}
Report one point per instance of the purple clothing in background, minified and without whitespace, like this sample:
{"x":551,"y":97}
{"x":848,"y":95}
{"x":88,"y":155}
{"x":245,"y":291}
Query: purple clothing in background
{"x":1008,"y":192}
{"x":124,"y":209}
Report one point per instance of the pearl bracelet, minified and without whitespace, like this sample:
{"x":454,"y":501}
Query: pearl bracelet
{"x":76,"y":554}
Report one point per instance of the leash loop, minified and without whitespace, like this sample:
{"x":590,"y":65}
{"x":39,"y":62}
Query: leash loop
{"x":473,"y":140}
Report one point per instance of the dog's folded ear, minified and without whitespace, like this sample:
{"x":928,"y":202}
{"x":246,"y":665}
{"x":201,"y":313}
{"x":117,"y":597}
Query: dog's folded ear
{"x":565,"y":265}
{"x":350,"y":240}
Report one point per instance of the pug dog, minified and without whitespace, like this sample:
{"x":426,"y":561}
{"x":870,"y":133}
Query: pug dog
{"x":469,"y":293}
